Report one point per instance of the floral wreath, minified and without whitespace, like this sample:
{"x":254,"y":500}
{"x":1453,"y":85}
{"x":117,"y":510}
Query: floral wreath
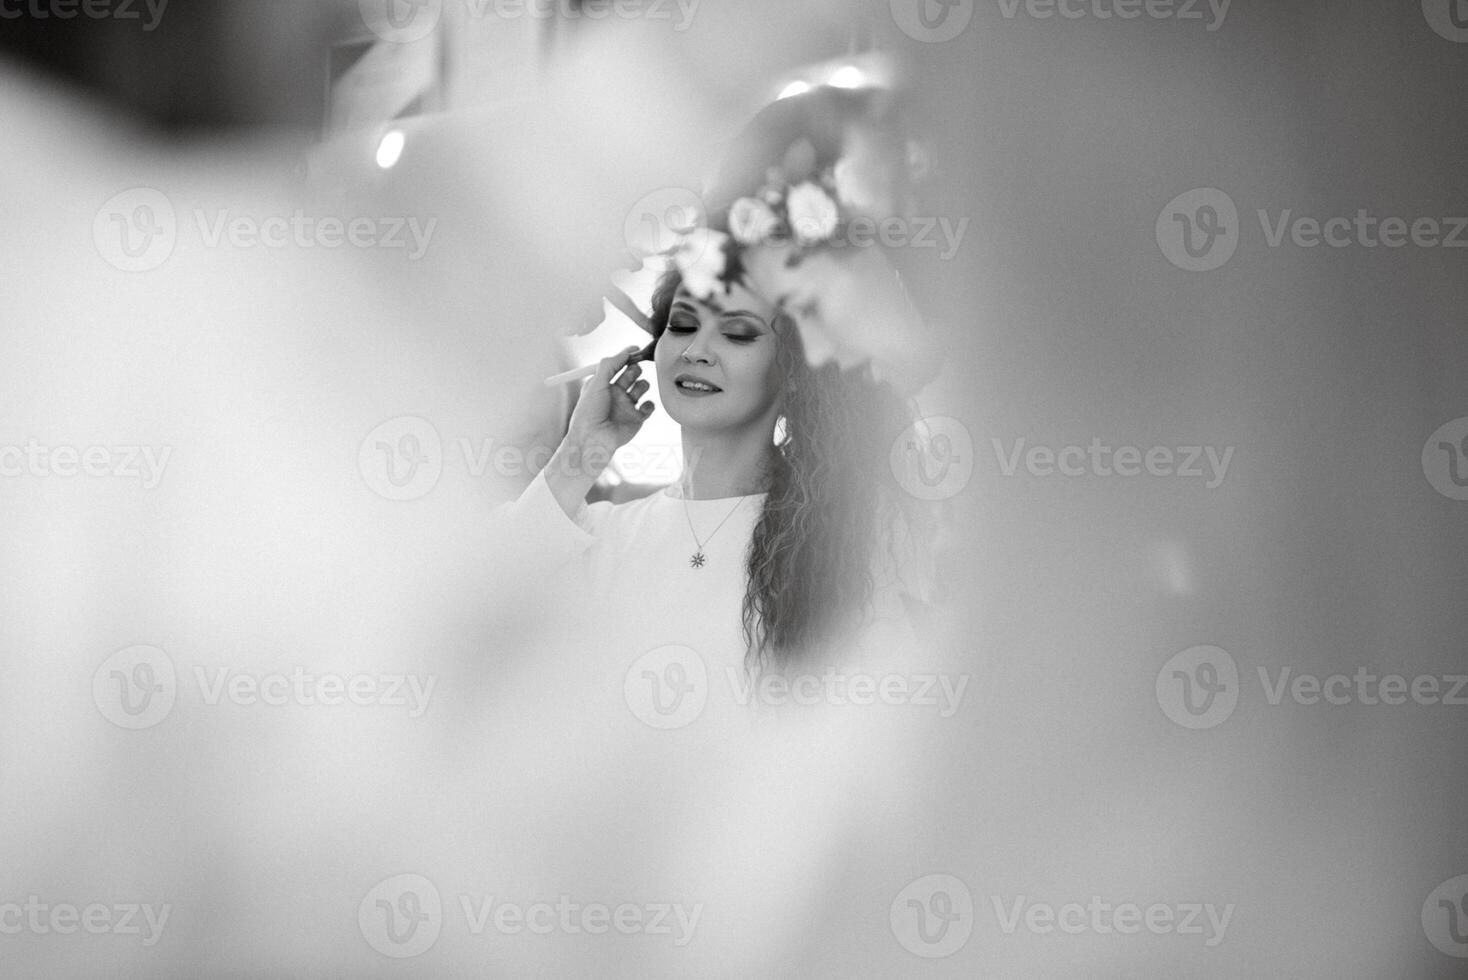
{"x":796,"y":206}
{"x":858,"y":314}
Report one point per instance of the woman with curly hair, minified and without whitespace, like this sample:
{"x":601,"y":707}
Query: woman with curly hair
{"x":787,"y":539}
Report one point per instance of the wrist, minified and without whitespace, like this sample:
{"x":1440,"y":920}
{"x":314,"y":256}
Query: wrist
{"x":580,"y":462}
{"x":567,"y":480}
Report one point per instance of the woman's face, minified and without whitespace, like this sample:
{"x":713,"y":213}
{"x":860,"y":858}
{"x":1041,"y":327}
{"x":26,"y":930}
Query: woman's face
{"x":728,"y":342}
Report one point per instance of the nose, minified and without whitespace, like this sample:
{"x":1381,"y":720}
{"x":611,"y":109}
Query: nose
{"x":697,"y":352}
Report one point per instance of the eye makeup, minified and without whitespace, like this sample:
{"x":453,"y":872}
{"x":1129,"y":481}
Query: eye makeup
{"x":684,"y":317}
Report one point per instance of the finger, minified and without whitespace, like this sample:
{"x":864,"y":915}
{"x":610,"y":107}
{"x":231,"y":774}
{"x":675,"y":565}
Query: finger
{"x":638,"y":390}
{"x":622,"y":399}
{"x":628,"y":376}
{"x":609,"y":364}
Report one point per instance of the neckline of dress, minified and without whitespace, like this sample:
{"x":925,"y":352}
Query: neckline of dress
{"x":671,"y":492}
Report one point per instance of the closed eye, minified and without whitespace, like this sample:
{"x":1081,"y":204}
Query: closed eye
{"x":685,"y":328}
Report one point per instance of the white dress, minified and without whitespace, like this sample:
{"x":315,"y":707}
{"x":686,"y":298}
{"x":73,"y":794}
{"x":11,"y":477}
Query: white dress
{"x":747,"y":804}
{"x":626,"y":575}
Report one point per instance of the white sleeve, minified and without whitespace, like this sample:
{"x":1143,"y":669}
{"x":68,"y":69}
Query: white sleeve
{"x":532,"y":536}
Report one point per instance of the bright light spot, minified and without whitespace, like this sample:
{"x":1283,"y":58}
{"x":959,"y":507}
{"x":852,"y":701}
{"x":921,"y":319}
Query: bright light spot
{"x":390,"y":149}
{"x":848,"y":76}
{"x":794,"y":88}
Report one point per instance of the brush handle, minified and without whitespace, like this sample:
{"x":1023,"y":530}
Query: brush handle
{"x":629,"y":309}
{"x":576,"y":374}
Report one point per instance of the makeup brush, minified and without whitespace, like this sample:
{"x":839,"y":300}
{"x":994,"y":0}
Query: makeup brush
{"x":576,"y":374}
{"x":624,"y":303}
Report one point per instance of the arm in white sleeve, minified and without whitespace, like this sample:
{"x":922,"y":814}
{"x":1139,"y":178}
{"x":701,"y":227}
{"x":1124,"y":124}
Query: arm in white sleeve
{"x":533,"y":537}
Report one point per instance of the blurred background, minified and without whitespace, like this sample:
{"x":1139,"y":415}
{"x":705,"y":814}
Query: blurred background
{"x":279,"y":284}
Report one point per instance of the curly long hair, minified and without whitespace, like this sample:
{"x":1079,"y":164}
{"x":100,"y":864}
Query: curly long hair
{"x":832,"y":502}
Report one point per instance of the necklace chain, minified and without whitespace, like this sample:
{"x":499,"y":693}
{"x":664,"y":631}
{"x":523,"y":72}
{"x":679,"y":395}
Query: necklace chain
{"x":698,"y":558}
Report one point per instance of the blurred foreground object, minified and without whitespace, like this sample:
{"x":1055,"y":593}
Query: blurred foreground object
{"x":188,"y":65}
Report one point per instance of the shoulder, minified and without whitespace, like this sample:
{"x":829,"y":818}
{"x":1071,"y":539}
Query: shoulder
{"x":620,"y":504}
{"x":623,"y":493}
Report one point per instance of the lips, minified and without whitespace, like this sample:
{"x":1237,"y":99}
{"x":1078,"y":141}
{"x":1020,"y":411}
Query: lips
{"x":693,"y":383}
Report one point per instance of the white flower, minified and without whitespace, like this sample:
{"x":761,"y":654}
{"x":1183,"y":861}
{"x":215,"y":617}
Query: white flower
{"x":859,"y":185}
{"x":813,"y":215}
{"x":699,"y":256}
{"x":751,"y":221}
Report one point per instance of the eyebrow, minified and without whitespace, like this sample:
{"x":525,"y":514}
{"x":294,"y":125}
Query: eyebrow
{"x":723,"y":314}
